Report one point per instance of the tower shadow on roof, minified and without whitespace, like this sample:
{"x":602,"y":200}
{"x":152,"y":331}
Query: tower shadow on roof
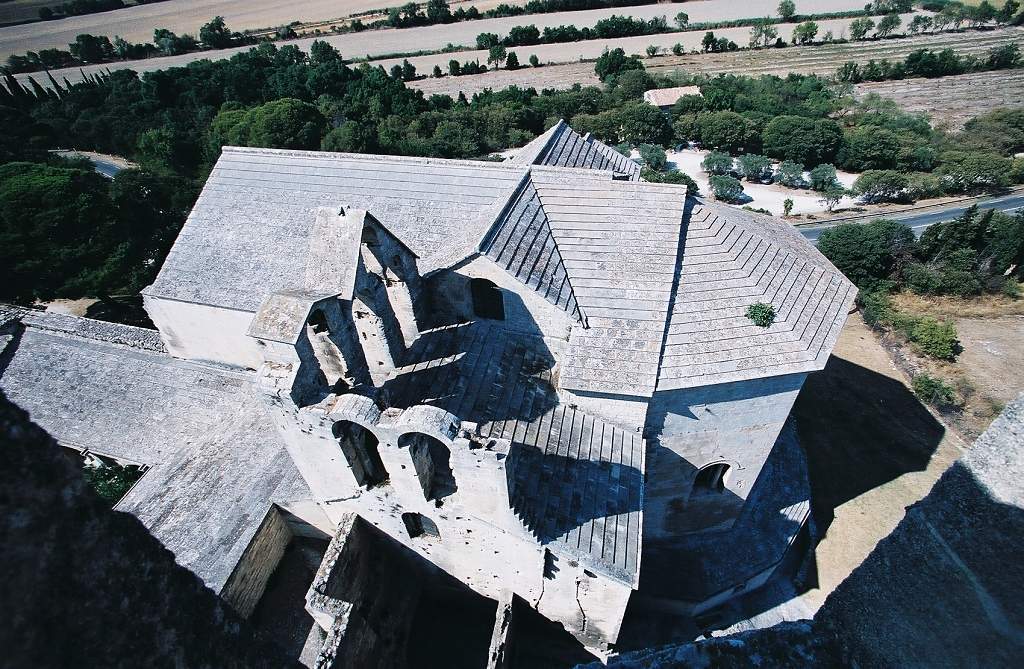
{"x":555,"y":494}
{"x":481,"y":371}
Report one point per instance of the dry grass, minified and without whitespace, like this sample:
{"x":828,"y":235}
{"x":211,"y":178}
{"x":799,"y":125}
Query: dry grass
{"x":941,"y":306}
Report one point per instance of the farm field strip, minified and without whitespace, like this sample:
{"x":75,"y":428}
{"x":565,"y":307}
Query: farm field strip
{"x":827,"y":58}
{"x":805,"y":60}
{"x":944,"y":100}
{"x":137,"y":23}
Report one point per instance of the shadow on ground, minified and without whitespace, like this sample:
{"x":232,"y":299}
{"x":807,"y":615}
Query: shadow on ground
{"x":860,"y":430}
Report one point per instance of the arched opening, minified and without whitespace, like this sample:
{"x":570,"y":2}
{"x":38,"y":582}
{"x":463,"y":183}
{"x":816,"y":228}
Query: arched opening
{"x":418,"y":525}
{"x":711,"y":478}
{"x":327,"y":354}
{"x":360,"y":448}
{"x":488,"y":302}
{"x":431,"y":460}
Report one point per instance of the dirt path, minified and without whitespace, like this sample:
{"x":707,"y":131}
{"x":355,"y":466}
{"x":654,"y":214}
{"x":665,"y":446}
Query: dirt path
{"x":872,"y":448}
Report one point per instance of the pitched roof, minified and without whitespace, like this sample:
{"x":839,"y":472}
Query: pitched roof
{"x":521,"y":242}
{"x":252,"y":224}
{"x":730,"y":261}
{"x":216,"y":458}
{"x":561,"y":146}
{"x":666,"y":97}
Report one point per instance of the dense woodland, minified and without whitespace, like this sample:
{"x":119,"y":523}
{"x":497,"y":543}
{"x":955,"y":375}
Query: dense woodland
{"x":67,"y":232}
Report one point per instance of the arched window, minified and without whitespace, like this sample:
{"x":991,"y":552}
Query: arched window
{"x":711,"y":478}
{"x":488,"y":302}
{"x":418,"y":525}
{"x":359,"y":446}
{"x":431,"y":460}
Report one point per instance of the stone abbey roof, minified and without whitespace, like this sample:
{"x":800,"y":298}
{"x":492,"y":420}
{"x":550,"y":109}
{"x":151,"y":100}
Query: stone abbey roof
{"x":659,"y":282}
{"x":574,"y":480}
{"x":216,"y":461}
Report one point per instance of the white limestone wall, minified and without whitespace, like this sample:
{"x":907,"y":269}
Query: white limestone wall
{"x":525,"y":310}
{"x":247,"y":582}
{"x":203,"y":332}
{"x":629,"y":413}
{"x":732,"y":423}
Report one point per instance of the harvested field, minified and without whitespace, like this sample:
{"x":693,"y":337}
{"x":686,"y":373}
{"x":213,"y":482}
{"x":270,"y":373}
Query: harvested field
{"x":806,"y":60}
{"x":137,"y":23}
{"x":944,"y":100}
{"x":825,"y":59}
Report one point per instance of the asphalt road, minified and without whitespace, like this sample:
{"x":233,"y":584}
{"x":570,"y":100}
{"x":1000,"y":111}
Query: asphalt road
{"x":105,"y":168}
{"x":919,"y":220}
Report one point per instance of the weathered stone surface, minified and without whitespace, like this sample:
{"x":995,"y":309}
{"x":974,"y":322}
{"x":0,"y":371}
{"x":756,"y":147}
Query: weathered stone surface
{"x":87,"y":586}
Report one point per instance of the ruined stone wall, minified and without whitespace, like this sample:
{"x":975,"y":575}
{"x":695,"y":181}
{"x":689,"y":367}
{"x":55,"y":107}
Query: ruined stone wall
{"x":732,"y":423}
{"x":247,"y":582}
{"x":87,"y":586}
{"x":201,"y":332}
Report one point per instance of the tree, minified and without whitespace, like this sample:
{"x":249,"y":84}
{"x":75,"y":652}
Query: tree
{"x":487,"y":40}
{"x":1006,"y":14}
{"x":438,"y":11}
{"x":787,"y":207}
{"x":677,"y":49}
{"x":726,"y":188}
{"x":512,"y":62}
{"x":726,"y":130}
{"x":437,"y":73}
{"x":800,"y":139}
{"x":281,"y":124}
{"x":787,"y":9}
{"x":756,"y":168}
{"x":966,"y":172}
{"x":653,"y":156}
{"x":888,"y":24}
{"x":868,"y":254}
{"x":920,"y":23}
{"x":822,"y":177}
{"x":859,"y":28}
{"x":709,"y":42}
{"x":881,"y":186}
{"x":652,"y":50}
{"x":805,"y":32}
{"x":215,"y":34}
{"x":682,"y":19}
{"x":534,"y":61}
{"x":641,"y":123}
{"x":91,"y":49}
{"x":496,"y":54}
{"x":762,"y":33}
{"x":611,"y":63}
{"x":790,"y":174}
{"x":869,"y":147}
{"x":832,"y":195}
{"x":717,"y":162}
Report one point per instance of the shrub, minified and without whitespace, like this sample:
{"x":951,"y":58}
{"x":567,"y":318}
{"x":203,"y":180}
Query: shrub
{"x":726,"y":188}
{"x":755,"y":168}
{"x":881,"y":186}
{"x":823,"y":176}
{"x":111,"y":482}
{"x":717,"y":162}
{"x":671,"y":177}
{"x":1012,"y":288}
{"x":791,"y":174}
{"x":653,"y":156}
{"x":933,"y":391}
{"x":934,"y":339}
{"x":763,"y":315}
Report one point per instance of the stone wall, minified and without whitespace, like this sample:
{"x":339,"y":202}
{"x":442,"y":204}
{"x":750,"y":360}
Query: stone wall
{"x":87,"y":586}
{"x":202,"y":332}
{"x":732,"y":423}
{"x":247,"y":582}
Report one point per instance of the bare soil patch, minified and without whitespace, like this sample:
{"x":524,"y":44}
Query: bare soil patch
{"x":872,"y":448}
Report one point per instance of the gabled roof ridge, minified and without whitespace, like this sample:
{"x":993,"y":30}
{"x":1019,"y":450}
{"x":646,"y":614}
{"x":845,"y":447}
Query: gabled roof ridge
{"x":372,"y":157}
{"x":521,"y":244}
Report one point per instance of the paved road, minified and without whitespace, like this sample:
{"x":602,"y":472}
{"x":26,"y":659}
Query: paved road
{"x":105,"y":167}
{"x":919,"y":220}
